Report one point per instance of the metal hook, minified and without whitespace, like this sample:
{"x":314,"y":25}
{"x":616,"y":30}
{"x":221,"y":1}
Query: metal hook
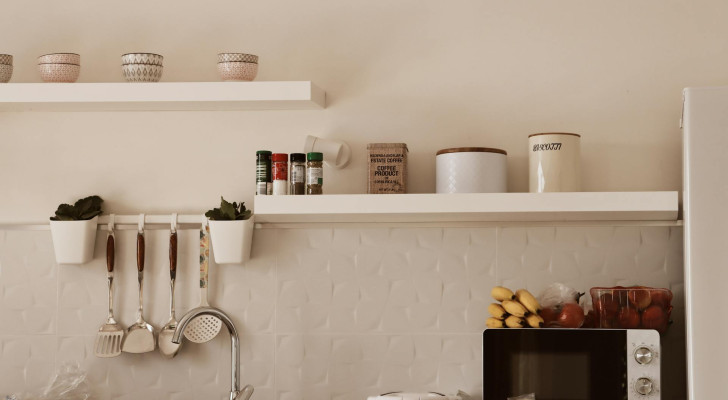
{"x":111,"y":223}
{"x":174,"y":222}
{"x":141,"y":223}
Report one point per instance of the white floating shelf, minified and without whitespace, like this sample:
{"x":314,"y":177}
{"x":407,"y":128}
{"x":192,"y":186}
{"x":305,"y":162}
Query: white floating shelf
{"x":480,"y":207}
{"x":162,"y":96}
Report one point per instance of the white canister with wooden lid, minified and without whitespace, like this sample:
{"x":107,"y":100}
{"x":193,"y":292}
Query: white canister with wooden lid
{"x":471,"y":170}
{"x":554,"y":162}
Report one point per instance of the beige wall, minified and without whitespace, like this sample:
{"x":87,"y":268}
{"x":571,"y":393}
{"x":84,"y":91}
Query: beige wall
{"x":433,"y":74}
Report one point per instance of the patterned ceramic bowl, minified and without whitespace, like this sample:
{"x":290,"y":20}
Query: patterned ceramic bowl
{"x":142,"y":58}
{"x":237,"y":57}
{"x":142,"y":72}
{"x":6,"y":59}
{"x":60,"y":58}
{"x":6,"y":71}
{"x":67,"y":73}
{"x":237,"y":71}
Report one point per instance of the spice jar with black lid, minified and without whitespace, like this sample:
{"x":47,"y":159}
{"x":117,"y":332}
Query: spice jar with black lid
{"x":297,"y":166}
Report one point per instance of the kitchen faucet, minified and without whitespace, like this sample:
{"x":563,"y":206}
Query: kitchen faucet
{"x":235,"y":392}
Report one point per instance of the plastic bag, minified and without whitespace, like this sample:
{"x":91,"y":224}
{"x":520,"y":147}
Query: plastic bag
{"x":69,"y":383}
{"x":557,"y":294}
{"x":464,"y":396}
{"x":560,"y":307}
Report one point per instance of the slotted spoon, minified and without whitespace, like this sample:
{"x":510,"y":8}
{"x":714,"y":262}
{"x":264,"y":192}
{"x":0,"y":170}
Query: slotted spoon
{"x":111,"y":334}
{"x":205,"y":327}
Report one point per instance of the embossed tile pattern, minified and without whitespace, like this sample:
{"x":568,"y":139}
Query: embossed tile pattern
{"x":323,"y":313}
{"x":355,"y":366}
{"x":387,"y":280}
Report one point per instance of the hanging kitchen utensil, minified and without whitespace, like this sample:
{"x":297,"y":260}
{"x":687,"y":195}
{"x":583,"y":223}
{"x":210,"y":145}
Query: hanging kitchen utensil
{"x":140,"y":336}
{"x":168,"y":348}
{"x":205,"y":327}
{"x":111,"y":334}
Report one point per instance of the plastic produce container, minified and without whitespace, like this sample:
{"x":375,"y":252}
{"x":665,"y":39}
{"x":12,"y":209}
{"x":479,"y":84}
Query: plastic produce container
{"x":637,"y":307}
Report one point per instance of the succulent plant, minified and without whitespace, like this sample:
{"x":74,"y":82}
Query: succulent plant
{"x":83,"y":209}
{"x":229,"y":212}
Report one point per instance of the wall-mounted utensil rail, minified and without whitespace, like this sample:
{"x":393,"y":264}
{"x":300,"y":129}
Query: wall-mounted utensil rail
{"x":123,"y":222}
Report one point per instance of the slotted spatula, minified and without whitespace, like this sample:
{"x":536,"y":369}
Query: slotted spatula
{"x":204,"y":328}
{"x":108,"y":340}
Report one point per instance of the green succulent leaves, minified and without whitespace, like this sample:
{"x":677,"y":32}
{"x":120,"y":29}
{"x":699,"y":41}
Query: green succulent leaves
{"x":83,"y":209}
{"x":229,"y":212}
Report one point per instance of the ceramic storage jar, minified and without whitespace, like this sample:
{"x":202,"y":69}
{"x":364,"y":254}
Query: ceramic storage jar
{"x":471,"y":170}
{"x":554,"y":162}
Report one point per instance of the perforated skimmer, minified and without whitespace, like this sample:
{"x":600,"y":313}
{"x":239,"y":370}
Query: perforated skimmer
{"x":204,"y":327}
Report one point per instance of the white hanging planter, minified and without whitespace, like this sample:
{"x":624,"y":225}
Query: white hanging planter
{"x":232,"y":240}
{"x":73,"y":241}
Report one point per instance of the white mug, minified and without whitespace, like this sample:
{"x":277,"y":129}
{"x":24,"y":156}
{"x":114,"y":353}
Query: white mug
{"x":336,"y":153}
{"x":554,"y":162}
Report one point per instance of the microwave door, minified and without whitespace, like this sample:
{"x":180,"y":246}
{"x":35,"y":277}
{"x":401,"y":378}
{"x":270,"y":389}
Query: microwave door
{"x":554,"y":364}
{"x":536,"y":372}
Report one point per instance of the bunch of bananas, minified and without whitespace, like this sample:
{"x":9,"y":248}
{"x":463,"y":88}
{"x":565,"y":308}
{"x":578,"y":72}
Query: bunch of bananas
{"x":519,"y":310}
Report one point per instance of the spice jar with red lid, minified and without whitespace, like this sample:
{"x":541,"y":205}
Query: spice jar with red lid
{"x":280,"y":173}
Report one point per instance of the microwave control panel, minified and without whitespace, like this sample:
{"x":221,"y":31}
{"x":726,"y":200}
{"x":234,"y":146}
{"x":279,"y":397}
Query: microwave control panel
{"x":643,"y":364}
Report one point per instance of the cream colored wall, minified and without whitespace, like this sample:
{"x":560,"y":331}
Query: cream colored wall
{"x":433,"y":74}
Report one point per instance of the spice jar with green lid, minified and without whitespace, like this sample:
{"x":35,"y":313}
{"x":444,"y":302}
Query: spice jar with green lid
{"x":263,"y":181}
{"x":315,"y":173}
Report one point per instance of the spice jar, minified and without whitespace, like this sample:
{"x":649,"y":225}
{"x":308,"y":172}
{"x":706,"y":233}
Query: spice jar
{"x":263,"y":184}
{"x":297,"y":167}
{"x":280,"y":174}
{"x":315,"y":173}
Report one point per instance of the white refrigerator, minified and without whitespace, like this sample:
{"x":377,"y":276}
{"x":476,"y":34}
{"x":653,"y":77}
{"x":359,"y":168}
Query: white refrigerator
{"x":705,"y":212}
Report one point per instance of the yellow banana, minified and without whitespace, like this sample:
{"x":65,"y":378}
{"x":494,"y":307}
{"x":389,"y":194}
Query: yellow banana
{"x":515,"y":322}
{"x":494,"y":323}
{"x":497,"y":311}
{"x":500,"y":293}
{"x":534,"y":321}
{"x":514,"y":308}
{"x":526,"y":298}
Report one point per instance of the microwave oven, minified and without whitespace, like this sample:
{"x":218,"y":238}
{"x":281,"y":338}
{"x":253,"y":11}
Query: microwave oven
{"x":571,"y":364}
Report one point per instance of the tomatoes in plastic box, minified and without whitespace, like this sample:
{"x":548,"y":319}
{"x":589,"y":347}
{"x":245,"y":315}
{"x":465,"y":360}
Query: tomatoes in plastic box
{"x":637,"y":307}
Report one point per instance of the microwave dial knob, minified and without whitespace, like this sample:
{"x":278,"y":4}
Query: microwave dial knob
{"x":643,"y":386}
{"x":643,"y":355}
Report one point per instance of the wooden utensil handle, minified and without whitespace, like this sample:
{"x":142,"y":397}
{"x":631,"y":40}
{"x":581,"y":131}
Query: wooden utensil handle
{"x":173,"y":254}
{"x":110,"y":253}
{"x":140,"y":252}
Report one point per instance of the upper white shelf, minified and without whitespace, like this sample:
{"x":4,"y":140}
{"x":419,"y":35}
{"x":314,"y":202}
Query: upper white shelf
{"x":162,"y":96}
{"x":480,"y":207}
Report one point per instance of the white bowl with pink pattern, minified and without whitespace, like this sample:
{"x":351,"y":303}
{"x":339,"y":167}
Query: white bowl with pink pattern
{"x":6,"y":72}
{"x":60,"y":58}
{"x":65,"y":73}
{"x":237,"y":71}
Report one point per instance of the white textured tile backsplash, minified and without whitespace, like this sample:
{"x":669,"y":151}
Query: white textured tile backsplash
{"x":322,"y":313}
